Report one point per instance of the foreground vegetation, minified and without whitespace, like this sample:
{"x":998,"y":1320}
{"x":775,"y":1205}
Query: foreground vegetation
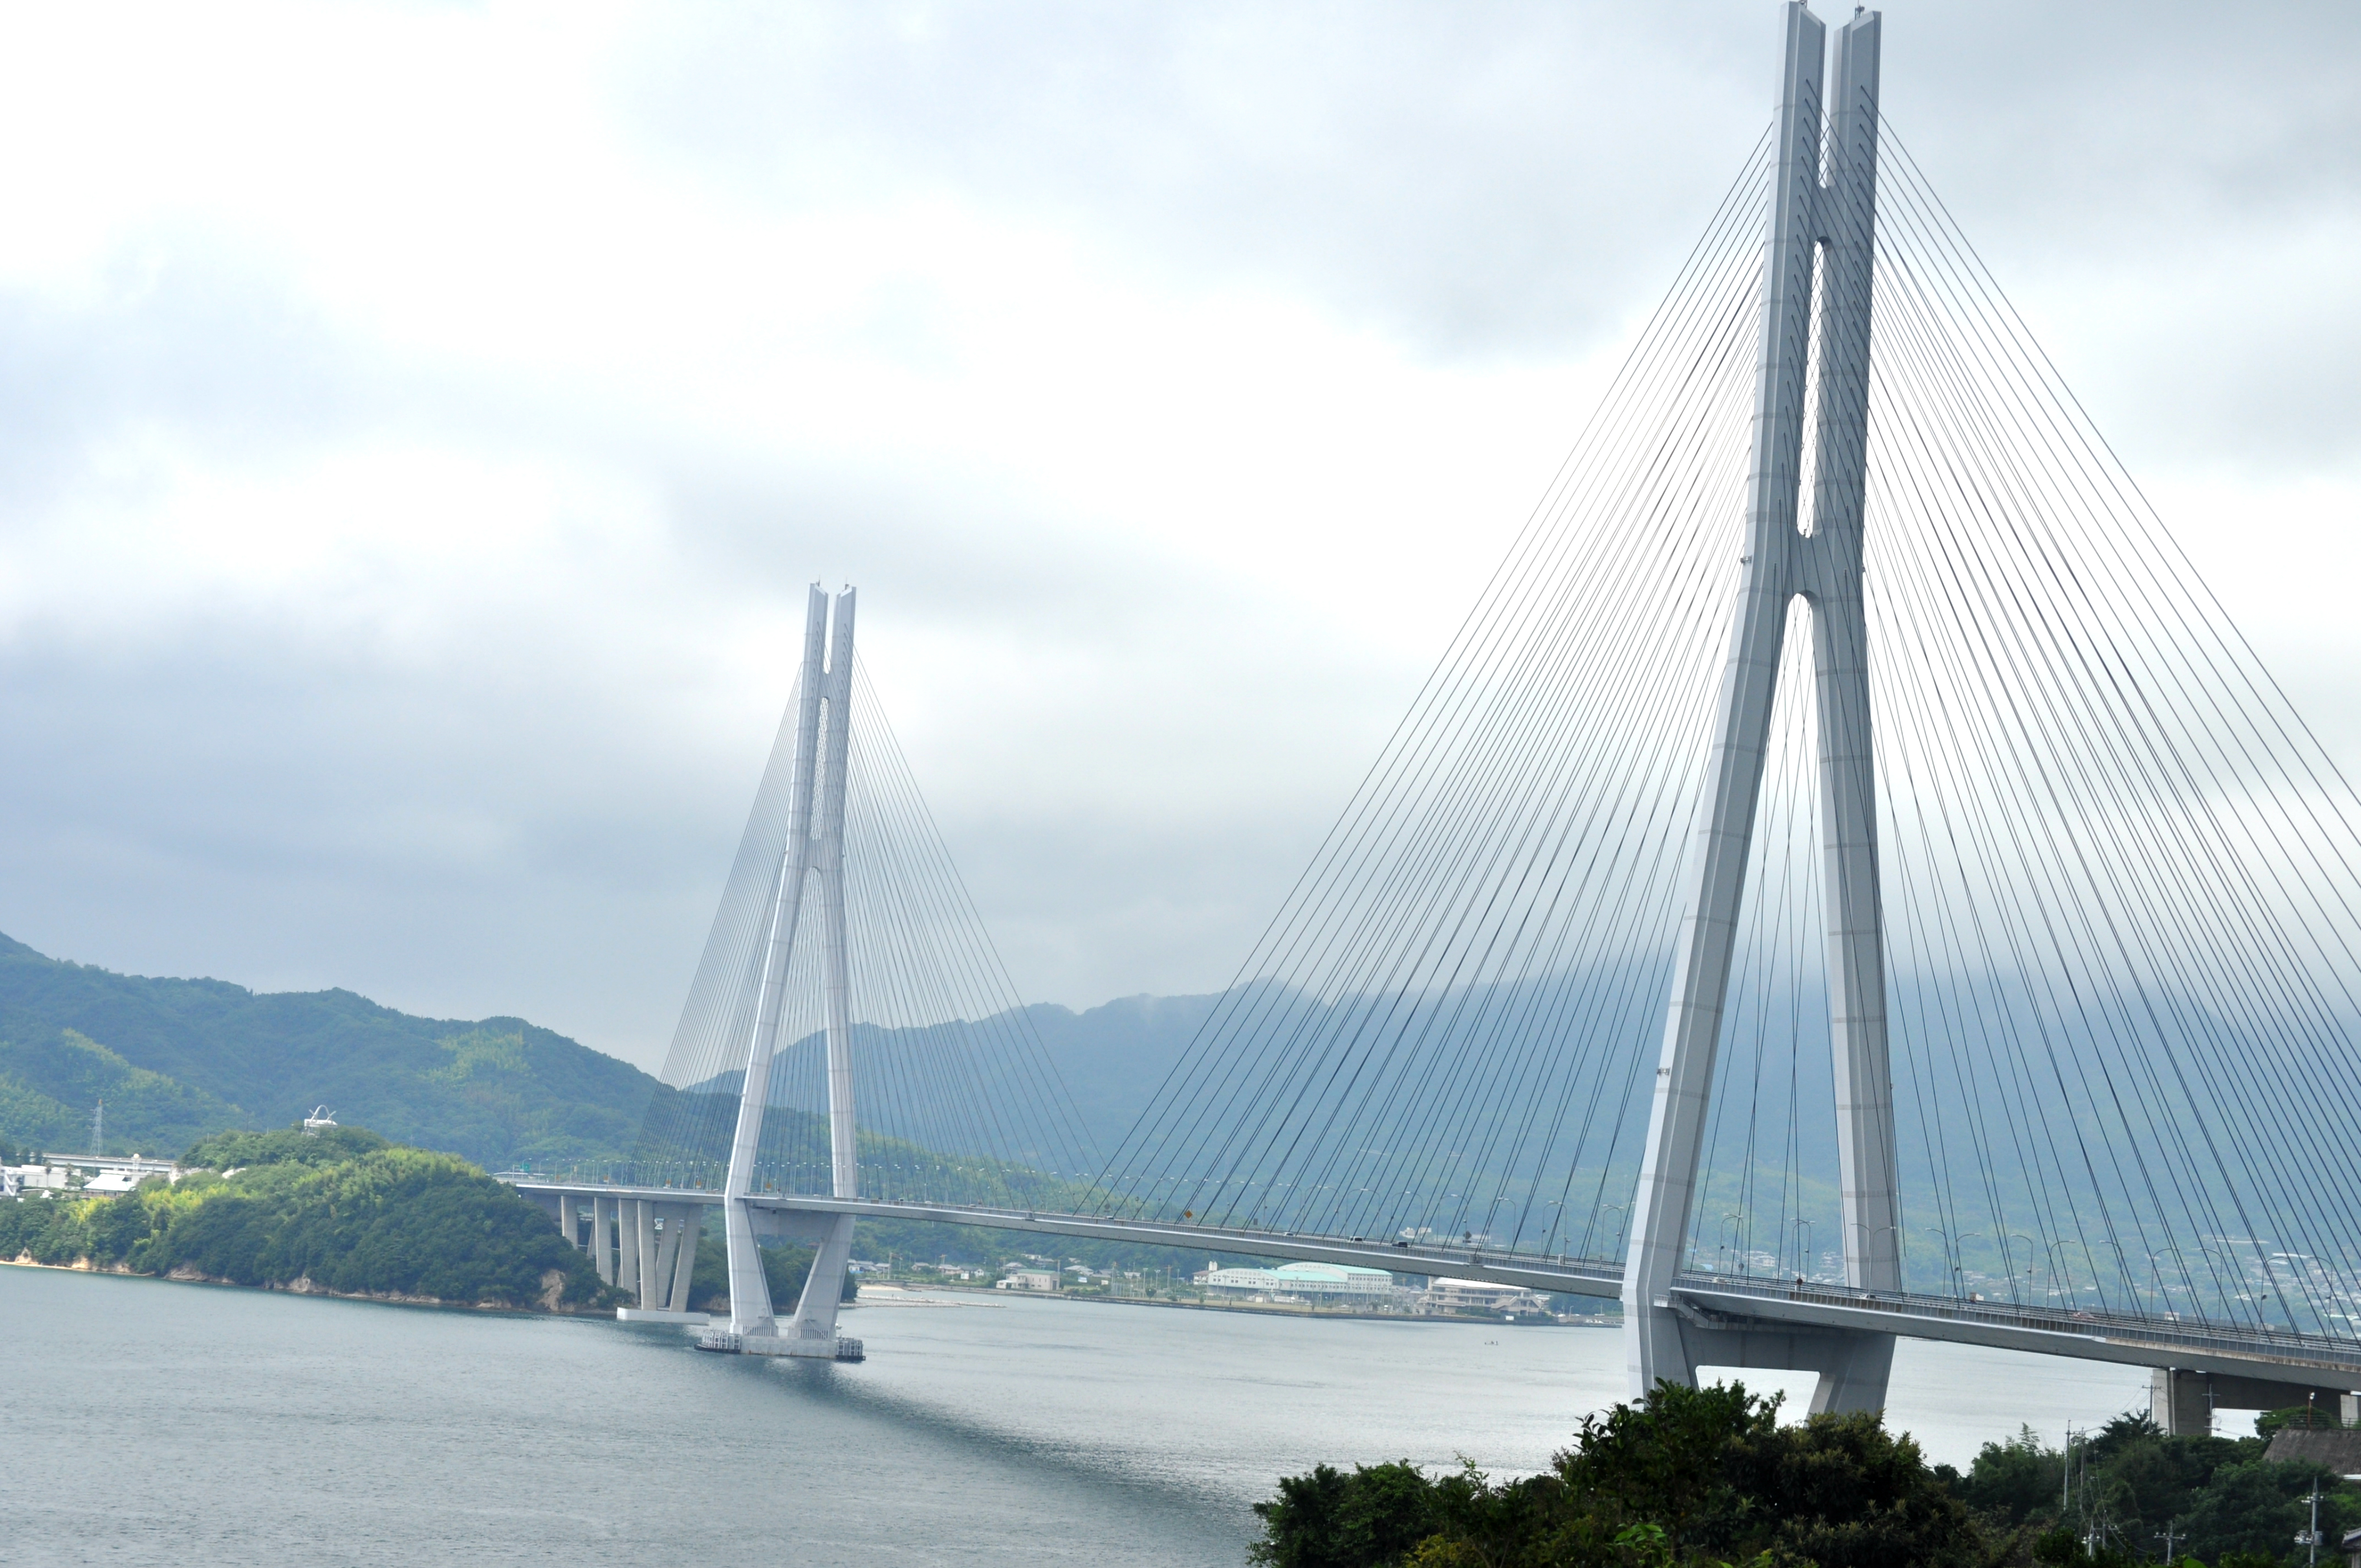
{"x":2225,"y":1502}
{"x":346,"y":1213}
{"x":1699,"y":1477}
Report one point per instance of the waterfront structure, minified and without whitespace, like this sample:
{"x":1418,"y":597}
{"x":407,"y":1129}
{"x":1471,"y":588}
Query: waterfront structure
{"x":1305,"y":1281}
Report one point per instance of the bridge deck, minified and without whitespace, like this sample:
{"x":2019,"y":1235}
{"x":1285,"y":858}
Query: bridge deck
{"x":1712,"y":1300}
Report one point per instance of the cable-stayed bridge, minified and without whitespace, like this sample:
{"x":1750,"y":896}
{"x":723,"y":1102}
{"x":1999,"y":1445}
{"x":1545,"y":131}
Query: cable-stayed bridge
{"x":1846,"y":878}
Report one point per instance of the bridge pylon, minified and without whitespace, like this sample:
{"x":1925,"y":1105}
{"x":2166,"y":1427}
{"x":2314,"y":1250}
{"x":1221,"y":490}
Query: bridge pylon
{"x":814,"y":854}
{"x":1817,"y":278}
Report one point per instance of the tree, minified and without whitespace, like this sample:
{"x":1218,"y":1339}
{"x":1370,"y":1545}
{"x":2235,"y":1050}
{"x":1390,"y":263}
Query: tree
{"x":1685,"y":1477}
{"x":2219,"y":1495}
{"x":345,"y":1211}
{"x":1328,"y":1519}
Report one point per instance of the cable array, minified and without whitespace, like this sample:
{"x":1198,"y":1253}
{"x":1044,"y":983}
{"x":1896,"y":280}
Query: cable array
{"x":956,"y":1099}
{"x":2121,"y":881}
{"x":1440,"y":1033}
{"x":2126,"y":956}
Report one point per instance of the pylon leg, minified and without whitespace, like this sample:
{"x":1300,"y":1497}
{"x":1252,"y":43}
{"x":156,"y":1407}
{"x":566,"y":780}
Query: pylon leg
{"x":813,"y":1331}
{"x":1718,"y":853}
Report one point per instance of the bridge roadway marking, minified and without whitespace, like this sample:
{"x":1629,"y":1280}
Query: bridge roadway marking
{"x":1708,"y":1300}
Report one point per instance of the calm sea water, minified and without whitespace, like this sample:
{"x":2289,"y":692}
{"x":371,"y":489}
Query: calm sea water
{"x":155,"y":1423}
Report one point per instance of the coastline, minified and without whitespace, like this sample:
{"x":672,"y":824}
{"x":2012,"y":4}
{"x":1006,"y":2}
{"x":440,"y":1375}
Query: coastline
{"x":548,"y":1307}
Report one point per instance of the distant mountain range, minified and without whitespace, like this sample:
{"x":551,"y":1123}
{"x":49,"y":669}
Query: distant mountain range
{"x":177,"y":1061}
{"x":1113,"y":1059}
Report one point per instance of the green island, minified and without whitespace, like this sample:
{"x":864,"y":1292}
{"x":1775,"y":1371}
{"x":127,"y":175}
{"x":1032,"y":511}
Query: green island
{"x":1709,"y":1478}
{"x":343,"y":1212}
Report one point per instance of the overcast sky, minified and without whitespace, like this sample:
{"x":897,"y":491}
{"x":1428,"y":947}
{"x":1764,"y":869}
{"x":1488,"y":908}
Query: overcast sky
{"x":418,"y":424}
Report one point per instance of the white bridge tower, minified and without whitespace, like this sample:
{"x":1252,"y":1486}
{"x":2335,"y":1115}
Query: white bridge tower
{"x":814,"y":852}
{"x":1817,"y":253}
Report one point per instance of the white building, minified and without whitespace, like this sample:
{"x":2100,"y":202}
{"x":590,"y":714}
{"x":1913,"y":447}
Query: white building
{"x":105,"y":1175}
{"x":137,"y":1165}
{"x":16,"y":1180}
{"x":1029,"y":1279}
{"x":1305,"y":1281}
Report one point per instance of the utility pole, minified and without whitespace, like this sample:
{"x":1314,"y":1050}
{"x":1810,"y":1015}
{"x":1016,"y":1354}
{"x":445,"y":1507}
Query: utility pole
{"x":2166,"y":1536}
{"x":2311,"y":1538}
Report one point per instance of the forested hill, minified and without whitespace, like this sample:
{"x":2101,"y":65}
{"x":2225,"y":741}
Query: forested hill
{"x":179,"y":1059}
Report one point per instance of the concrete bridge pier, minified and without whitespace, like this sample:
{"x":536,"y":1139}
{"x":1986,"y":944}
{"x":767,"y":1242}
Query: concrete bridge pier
{"x":663,"y":1238}
{"x":645,"y":1247}
{"x":2183,"y":1402}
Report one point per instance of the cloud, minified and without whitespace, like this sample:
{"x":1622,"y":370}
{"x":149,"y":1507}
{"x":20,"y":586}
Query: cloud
{"x":420,"y":424}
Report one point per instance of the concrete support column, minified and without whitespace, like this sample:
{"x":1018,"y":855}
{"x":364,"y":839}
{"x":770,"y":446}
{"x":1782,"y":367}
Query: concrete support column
{"x":827,"y":859}
{"x":656,"y":1282}
{"x":2181,"y":1402}
{"x":684,"y":1263}
{"x":626,"y":1246}
{"x":813,"y":1331}
{"x":816,"y":845}
{"x":643,"y":1244}
{"x":602,"y":1255}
